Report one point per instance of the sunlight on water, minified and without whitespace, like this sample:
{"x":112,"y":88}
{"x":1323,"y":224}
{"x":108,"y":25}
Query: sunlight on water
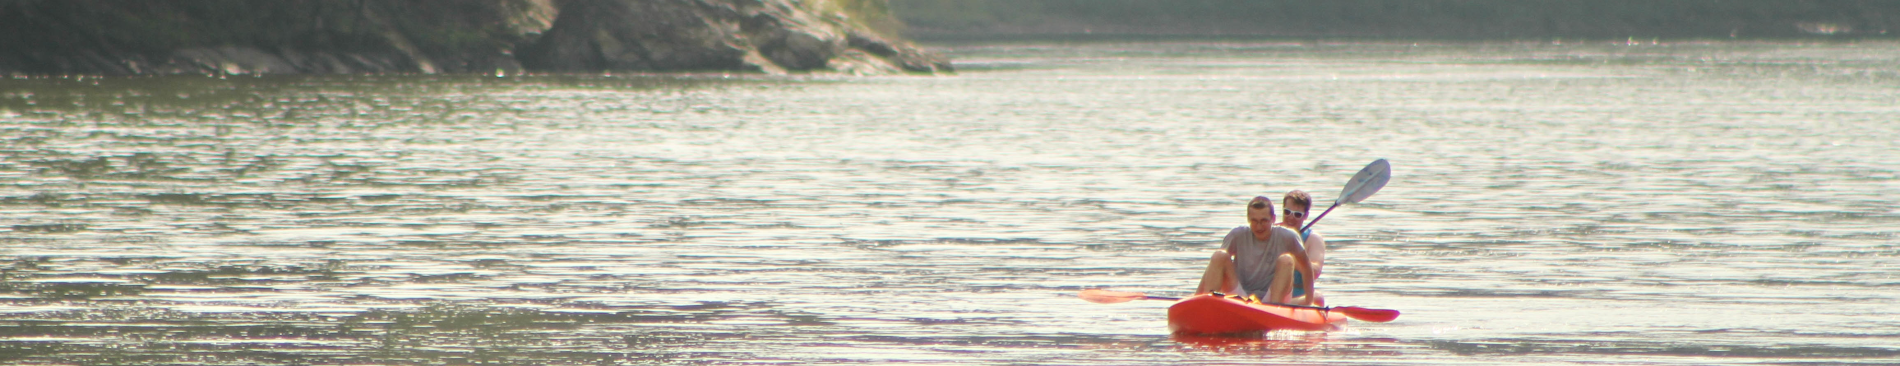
{"x":1688,"y":203}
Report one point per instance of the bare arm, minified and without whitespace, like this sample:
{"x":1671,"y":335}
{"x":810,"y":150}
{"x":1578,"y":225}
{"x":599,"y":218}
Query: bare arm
{"x":1316,"y":252}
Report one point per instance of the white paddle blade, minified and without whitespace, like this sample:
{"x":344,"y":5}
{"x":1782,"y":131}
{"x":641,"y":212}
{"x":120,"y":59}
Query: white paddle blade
{"x":1366,"y":182}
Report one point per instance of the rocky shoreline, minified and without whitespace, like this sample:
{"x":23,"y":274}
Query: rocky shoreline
{"x":102,"y":37}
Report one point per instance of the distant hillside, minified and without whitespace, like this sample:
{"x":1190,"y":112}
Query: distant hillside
{"x":113,"y":37}
{"x":1403,"y":19}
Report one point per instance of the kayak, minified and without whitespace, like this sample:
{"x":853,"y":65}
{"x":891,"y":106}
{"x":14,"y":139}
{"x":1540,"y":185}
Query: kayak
{"x":1215,"y":314}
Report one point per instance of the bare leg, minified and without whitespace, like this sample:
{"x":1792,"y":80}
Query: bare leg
{"x":1312,"y":277}
{"x":1281,"y":289}
{"x":1220,"y":276}
{"x":1282,"y":284}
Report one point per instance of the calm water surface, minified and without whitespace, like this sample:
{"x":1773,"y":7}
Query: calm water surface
{"x":1651,"y":204}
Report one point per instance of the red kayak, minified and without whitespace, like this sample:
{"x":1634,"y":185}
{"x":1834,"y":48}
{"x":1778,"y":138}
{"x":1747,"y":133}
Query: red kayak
{"x":1212,"y":314}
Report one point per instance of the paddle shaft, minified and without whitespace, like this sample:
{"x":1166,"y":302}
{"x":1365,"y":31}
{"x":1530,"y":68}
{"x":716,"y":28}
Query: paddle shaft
{"x":1115,"y":297}
{"x":1324,"y":308}
{"x":1322,"y":215}
{"x":1362,"y":185}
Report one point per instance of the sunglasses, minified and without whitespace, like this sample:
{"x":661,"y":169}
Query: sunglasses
{"x":1295,"y":214}
{"x":1258,"y":206}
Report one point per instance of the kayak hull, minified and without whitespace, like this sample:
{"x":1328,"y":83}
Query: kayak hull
{"x":1211,"y":314}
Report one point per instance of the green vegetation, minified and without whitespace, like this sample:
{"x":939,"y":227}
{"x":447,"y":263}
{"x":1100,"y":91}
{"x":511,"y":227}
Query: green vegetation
{"x":872,"y":14}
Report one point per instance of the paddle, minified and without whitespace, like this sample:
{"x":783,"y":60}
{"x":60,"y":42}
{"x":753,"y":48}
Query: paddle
{"x":1112,"y":297}
{"x":1362,"y":185}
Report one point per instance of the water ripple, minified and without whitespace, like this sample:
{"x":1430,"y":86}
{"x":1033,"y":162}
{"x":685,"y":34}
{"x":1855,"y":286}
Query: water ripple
{"x":1700,"y":203}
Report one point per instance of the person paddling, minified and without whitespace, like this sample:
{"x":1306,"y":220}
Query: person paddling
{"x":1296,"y":204}
{"x":1258,"y":259}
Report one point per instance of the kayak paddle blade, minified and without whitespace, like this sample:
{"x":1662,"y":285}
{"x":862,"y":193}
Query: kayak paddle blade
{"x":1110,"y":297}
{"x":1366,"y":182}
{"x":1371,"y":315}
{"x":1362,"y":185}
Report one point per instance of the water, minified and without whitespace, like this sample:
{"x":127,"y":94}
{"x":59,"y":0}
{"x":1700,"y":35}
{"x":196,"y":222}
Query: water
{"x":1677,"y":203}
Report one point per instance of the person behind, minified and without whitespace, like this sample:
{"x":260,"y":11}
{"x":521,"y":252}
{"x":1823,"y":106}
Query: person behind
{"x":1297,"y":205}
{"x":1258,"y":259}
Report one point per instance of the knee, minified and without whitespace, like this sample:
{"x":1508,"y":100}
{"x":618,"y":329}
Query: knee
{"x":1222,"y":256}
{"x":1284,"y":261}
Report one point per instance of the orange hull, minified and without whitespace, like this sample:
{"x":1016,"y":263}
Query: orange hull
{"x":1209,"y":314}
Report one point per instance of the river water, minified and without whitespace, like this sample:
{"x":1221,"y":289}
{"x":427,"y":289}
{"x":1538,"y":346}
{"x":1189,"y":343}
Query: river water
{"x":1671,"y":203}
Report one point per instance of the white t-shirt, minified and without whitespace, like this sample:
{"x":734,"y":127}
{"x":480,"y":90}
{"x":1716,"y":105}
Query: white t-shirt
{"x":1254,"y":259}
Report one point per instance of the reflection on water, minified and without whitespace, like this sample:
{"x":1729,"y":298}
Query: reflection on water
{"x":1689,"y":203}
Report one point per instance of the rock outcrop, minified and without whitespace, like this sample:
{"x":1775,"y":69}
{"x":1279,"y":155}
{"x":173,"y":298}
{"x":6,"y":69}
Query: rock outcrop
{"x":42,"y":37}
{"x":752,"y":35}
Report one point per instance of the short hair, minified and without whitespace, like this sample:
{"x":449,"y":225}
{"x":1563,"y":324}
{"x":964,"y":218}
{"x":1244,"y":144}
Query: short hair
{"x":1263,"y":200}
{"x":1299,"y":197}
